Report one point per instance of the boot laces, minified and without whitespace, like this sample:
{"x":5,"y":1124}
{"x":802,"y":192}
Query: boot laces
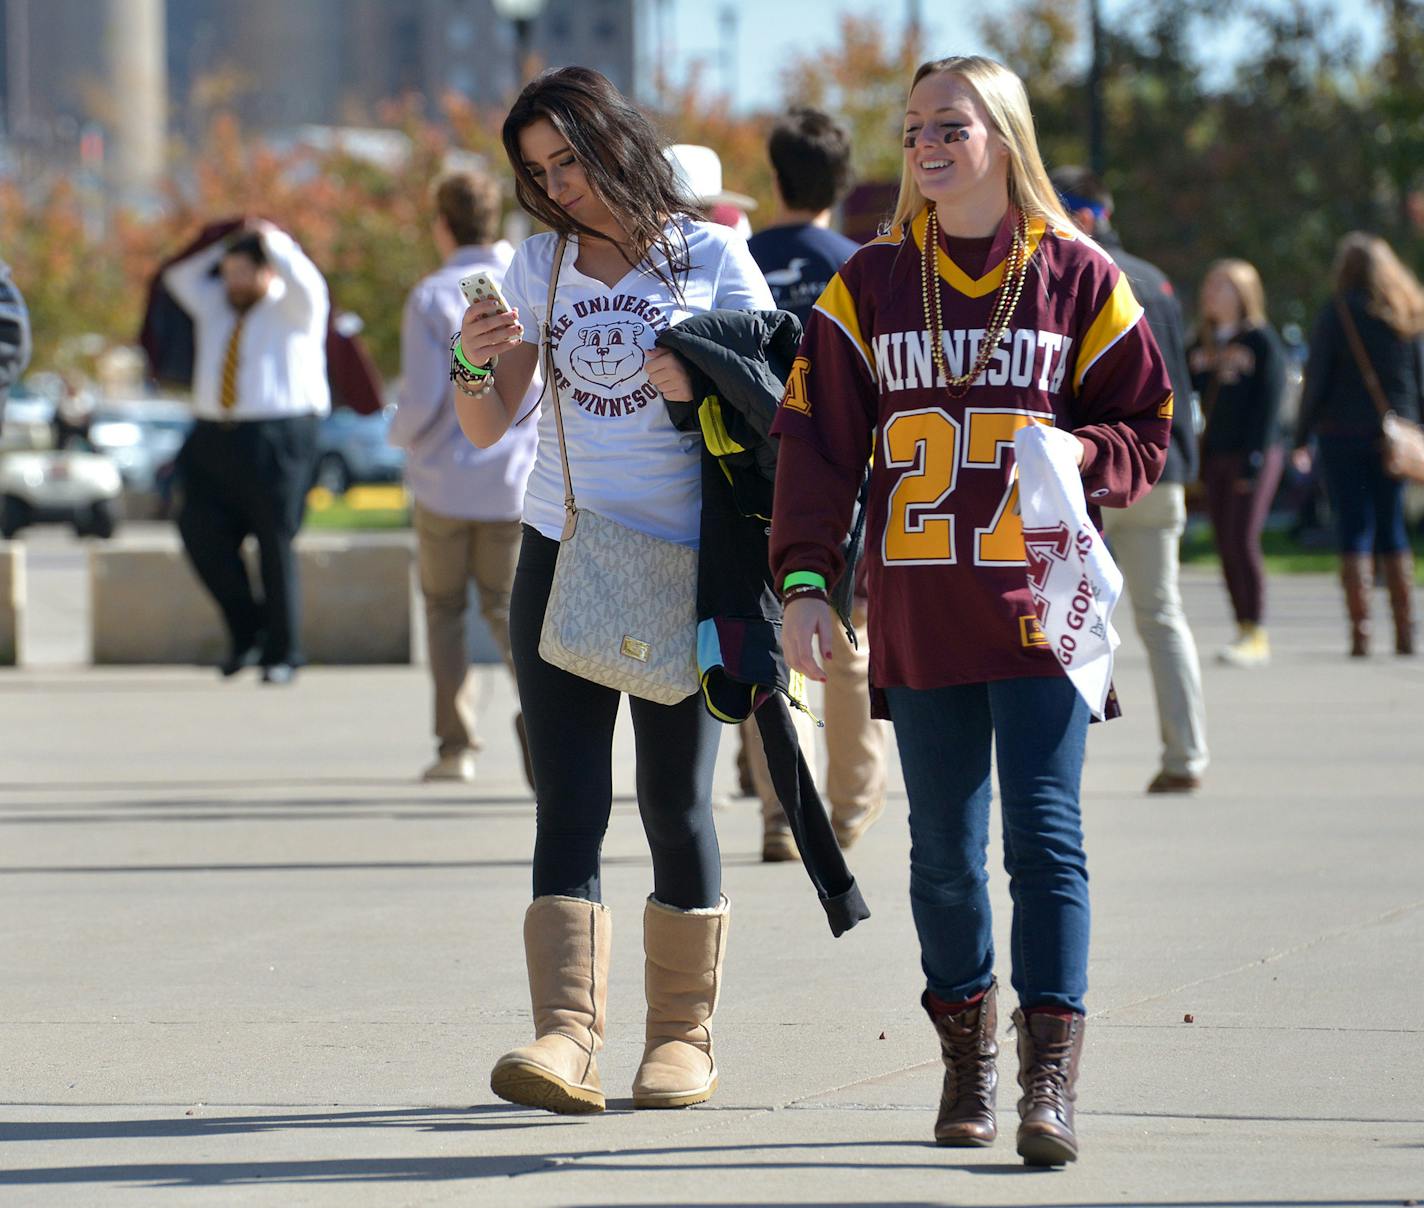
{"x":1048,"y":1076}
{"x":969,"y":1066}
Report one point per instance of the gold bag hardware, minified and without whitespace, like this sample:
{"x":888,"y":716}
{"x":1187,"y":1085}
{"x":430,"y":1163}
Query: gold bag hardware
{"x":635,"y":649}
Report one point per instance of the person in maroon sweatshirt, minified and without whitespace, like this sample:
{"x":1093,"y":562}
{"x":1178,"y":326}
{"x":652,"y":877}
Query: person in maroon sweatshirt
{"x":980,"y":311}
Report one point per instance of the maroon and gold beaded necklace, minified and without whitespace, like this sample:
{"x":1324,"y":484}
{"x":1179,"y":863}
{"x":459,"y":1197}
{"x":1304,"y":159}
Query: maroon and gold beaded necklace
{"x":1007,"y":300}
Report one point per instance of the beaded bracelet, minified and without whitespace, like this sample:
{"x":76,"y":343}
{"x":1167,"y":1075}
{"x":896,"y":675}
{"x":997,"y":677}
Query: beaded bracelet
{"x":480,"y":391}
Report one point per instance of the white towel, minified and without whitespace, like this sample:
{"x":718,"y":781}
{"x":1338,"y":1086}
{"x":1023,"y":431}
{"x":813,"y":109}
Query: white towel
{"x":1075,"y":582}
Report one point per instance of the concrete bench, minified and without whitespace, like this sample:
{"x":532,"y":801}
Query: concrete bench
{"x":147,"y":606}
{"x":12,"y":601}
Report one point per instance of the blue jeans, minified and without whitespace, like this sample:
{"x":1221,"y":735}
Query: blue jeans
{"x":1368,"y":503}
{"x":945,"y":736}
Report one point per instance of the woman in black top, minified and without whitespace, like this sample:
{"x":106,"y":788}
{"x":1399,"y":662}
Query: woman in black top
{"x":1238,"y":370}
{"x":1385,"y":305}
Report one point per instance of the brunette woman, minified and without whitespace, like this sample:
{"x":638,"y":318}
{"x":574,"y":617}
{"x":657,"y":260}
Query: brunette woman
{"x":1377,"y":296}
{"x":638,"y":257}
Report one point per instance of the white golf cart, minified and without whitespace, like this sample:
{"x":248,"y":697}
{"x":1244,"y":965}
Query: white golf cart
{"x":59,"y":485}
{"x":39,"y":484}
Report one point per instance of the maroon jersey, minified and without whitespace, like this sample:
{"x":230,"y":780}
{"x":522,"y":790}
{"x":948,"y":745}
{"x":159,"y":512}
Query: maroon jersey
{"x":949,"y":601}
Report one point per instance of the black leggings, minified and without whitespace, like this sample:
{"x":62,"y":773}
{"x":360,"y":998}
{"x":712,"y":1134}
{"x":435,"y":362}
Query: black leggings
{"x":570,"y":725}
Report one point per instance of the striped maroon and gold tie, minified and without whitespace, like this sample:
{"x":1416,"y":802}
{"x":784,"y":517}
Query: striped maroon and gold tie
{"x":228,"y":395}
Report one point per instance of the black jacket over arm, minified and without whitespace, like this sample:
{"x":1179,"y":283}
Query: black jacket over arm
{"x":739,"y":361}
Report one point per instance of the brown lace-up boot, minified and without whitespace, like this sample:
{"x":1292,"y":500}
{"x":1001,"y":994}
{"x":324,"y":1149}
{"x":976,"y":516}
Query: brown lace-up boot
{"x":968,"y":1048}
{"x":1356,"y":577}
{"x":1399,"y":577}
{"x":1049,"y":1049}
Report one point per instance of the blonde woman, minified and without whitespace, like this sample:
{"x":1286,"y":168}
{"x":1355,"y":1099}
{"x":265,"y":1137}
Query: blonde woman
{"x":1385,"y":303}
{"x":1239,"y":372}
{"x":982,"y":310}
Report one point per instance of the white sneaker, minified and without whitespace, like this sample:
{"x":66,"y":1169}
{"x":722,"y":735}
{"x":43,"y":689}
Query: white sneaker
{"x":459,"y":767}
{"x":1251,"y":649}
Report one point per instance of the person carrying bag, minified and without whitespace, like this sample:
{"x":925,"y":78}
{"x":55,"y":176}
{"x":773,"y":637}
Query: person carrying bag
{"x":1361,"y":403}
{"x":1401,"y":440}
{"x":605,"y":588}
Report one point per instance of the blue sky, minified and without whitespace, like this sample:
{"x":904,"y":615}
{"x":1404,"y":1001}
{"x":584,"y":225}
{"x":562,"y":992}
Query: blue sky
{"x":765,"y":42}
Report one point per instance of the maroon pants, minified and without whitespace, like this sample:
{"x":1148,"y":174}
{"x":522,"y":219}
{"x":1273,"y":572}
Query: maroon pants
{"x":1237,"y":517}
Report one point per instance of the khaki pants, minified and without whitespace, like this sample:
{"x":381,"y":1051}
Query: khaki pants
{"x":855,"y":742}
{"x":453,"y":552}
{"x":1145,"y":539}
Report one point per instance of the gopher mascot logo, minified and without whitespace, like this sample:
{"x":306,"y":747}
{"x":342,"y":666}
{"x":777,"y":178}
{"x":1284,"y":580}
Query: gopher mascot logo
{"x":608,"y":354}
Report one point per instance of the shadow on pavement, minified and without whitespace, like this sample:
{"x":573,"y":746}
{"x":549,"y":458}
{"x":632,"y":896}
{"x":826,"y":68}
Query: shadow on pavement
{"x":499,"y":1117}
{"x":363,"y":866}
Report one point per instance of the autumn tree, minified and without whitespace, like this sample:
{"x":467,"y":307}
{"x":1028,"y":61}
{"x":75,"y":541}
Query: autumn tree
{"x":862,"y":83}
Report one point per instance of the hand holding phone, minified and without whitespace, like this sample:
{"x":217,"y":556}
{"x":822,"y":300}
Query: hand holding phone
{"x":490,"y":325}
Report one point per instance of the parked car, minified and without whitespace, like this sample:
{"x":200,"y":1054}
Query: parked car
{"x":28,"y":421}
{"x":352,"y":449}
{"x":140,"y":436}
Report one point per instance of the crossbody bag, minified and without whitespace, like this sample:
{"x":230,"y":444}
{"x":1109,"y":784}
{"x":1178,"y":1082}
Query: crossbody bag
{"x":622,"y":609}
{"x":1401,"y":442}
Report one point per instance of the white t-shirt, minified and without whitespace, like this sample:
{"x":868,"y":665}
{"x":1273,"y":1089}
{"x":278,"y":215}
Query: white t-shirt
{"x":626,"y":459}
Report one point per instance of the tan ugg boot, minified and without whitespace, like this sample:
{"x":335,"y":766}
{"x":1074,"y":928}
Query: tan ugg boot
{"x":566,"y":946}
{"x":683,"y":980}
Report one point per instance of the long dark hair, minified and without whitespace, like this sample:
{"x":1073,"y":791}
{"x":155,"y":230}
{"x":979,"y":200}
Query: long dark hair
{"x":620,"y":152}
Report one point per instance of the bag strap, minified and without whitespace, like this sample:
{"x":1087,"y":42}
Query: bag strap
{"x":1362,"y":359}
{"x":552,"y":380}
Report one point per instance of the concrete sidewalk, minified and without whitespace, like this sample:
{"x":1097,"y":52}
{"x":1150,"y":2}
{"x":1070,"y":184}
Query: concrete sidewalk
{"x":248,"y":960}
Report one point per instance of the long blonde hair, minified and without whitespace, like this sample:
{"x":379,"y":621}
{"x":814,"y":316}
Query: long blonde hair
{"x":1251,"y":293}
{"x":1366,"y":262}
{"x":1002,"y":94}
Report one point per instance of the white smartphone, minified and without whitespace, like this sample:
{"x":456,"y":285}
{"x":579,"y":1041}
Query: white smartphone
{"x":481,"y":287}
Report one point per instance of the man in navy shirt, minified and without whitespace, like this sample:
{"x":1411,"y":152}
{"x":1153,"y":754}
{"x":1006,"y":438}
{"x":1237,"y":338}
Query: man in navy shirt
{"x":799,"y":254}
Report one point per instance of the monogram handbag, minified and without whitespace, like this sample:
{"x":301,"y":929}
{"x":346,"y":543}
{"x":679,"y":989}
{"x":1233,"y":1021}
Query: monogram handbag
{"x":1401,"y":442}
{"x":622,"y":609}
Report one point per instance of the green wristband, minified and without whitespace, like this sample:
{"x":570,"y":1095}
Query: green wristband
{"x":460,"y":356}
{"x":803,"y":578}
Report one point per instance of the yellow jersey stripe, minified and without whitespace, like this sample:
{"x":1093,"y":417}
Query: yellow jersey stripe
{"x":838,"y":306}
{"x":1118,"y":316}
{"x":955,"y":277}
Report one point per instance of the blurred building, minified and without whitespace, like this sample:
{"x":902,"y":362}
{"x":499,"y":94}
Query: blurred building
{"x":126,"y":73}
{"x":84,"y":80}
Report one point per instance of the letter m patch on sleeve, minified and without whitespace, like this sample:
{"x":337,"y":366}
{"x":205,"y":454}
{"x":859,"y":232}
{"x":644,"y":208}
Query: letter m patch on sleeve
{"x":797,"y":397}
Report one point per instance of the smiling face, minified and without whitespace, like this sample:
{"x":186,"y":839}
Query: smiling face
{"x":952,"y":152}
{"x":608,"y":353}
{"x":555,"y":169}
